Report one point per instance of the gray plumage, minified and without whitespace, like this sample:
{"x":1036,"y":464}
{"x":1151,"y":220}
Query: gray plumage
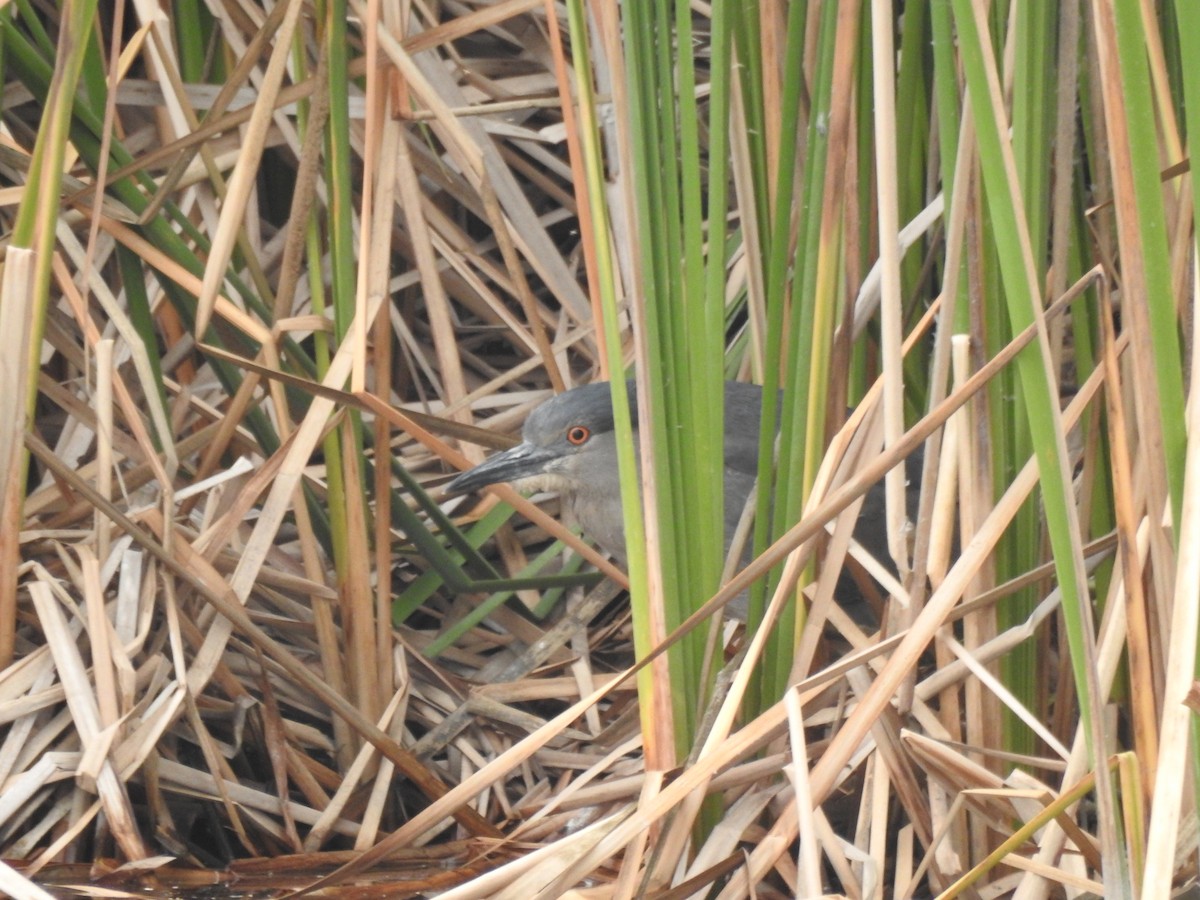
{"x":569,"y":446}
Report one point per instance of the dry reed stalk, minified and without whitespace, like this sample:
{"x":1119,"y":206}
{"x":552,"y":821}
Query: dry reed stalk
{"x":178,"y":633}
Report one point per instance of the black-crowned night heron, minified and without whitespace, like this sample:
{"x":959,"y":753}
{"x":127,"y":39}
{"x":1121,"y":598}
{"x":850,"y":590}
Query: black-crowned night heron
{"x":570,"y":447}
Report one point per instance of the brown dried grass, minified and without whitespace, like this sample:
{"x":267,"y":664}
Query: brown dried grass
{"x":195,"y":698}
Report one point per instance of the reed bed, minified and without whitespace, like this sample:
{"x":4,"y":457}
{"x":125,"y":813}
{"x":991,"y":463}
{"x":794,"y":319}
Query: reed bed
{"x":272,"y":272}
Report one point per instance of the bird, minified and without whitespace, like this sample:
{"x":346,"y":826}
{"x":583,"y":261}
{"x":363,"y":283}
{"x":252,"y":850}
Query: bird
{"x":569,"y":446}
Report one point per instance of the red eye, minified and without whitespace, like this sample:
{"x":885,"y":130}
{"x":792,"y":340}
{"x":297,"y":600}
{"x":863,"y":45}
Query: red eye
{"x":578,"y":434}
